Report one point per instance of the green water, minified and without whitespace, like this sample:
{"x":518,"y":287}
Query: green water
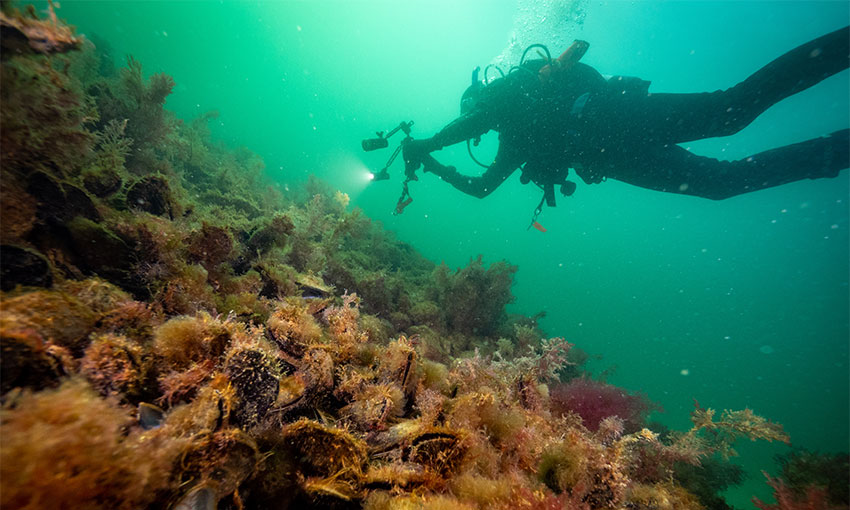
{"x":742,"y":302}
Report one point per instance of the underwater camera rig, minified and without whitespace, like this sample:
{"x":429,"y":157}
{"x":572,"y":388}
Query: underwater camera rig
{"x":381,"y":142}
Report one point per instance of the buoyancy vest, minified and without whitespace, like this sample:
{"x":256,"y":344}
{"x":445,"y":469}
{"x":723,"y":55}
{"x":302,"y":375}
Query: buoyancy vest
{"x":544,"y":124}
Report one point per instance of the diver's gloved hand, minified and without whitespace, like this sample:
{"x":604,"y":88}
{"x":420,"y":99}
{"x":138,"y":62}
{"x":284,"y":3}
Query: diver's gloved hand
{"x":415,"y":152}
{"x":433,"y":166}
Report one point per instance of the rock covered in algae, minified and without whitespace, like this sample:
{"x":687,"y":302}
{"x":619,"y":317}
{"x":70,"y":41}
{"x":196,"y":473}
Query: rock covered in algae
{"x":312,"y":286}
{"x":103,"y":182}
{"x":27,"y":360}
{"x":56,"y":316}
{"x":210,"y":246}
{"x":17,"y":208}
{"x":59,"y":201}
{"x":98,"y":250}
{"x":182,"y":340}
{"x":69,"y":448}
{"x":152,"y":194}
{"x":23,"y":266}
{"x":116,"y":366}
{"x":309,"y":386}
{"x":271,"y":234}
{"x":293,"y":328}
{"x":222,"y":460}
{"x":22,"y":35}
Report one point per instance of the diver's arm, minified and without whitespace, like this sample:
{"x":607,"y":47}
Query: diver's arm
{"x":470,"y":125}
{"x":505,"y":164}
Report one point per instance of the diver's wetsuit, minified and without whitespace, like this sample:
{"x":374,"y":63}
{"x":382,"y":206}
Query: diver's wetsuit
{"x":617,"y":129}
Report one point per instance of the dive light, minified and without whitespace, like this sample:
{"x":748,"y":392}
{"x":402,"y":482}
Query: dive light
{"x":382,"y":175}
{"x":373,"y":144}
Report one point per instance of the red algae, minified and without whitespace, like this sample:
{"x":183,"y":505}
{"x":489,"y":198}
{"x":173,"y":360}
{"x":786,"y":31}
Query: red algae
{"x":594,"y":401}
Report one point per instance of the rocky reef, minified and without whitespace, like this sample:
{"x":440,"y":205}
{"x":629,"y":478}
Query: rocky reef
{"x":176,"y":332}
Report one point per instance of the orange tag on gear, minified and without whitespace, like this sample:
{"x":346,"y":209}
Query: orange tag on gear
{"x":538,"y":226}
{"x":565,"y":62}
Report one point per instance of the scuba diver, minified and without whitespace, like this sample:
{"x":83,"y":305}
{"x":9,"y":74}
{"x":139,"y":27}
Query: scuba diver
{"x":557,"y":114}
